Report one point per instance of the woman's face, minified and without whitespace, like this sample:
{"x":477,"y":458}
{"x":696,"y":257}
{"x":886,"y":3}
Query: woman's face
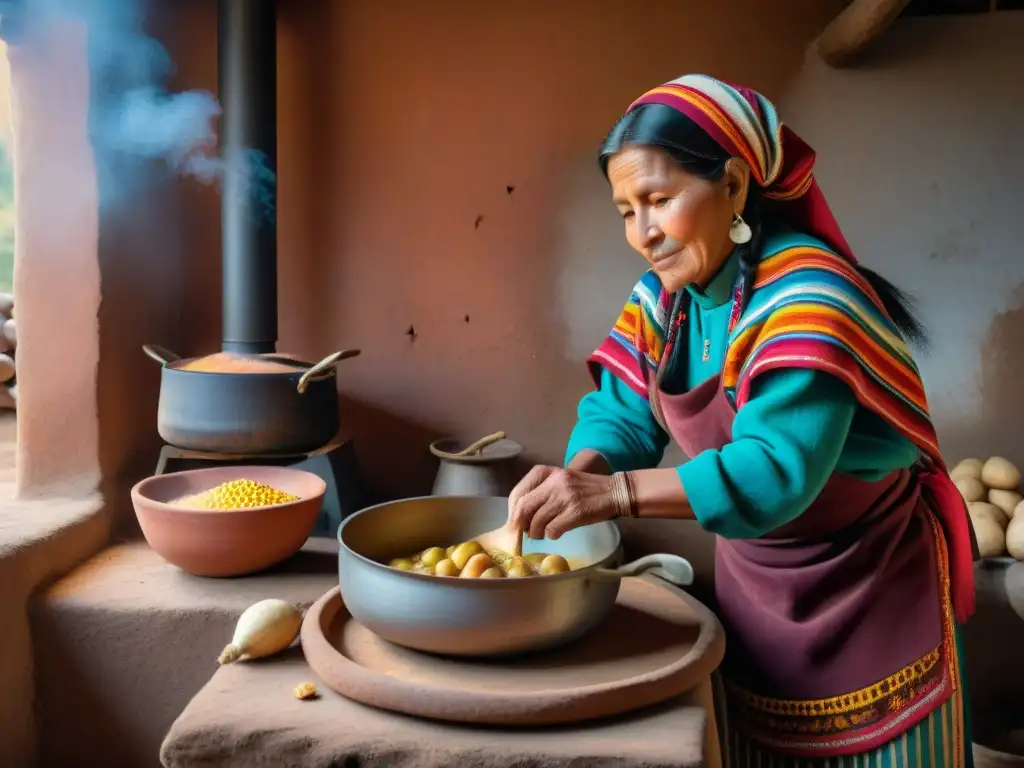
{"x":677,"y":221}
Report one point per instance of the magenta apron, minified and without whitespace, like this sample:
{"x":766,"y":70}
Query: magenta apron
{"x":839,"y":626}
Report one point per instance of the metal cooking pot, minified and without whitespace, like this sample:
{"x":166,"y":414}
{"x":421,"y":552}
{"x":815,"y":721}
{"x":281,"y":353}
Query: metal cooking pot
{"x":248,"y":414}
{"x":479,"y":617}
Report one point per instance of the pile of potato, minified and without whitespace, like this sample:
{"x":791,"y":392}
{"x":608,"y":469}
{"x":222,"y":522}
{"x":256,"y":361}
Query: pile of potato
{"x":8,"y":343}
{"x":992,"y":491}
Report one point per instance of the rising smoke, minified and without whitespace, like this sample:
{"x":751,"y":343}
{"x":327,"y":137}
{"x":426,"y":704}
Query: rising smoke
{"x":143,"y":134}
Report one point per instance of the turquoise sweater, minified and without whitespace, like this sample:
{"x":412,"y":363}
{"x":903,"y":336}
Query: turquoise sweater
{"x":798,"y":427}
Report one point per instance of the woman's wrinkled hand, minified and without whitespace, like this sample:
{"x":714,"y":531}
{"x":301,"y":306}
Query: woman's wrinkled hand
{"x":550,"y":501}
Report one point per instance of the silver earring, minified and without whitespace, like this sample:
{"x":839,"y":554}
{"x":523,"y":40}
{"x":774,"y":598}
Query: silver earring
{"x":739,"y":232}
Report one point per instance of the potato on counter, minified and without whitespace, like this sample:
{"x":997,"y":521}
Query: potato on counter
{"x":1005,"y":500}
{"x":995,"y":503}
{"x":991,"y":539}
{"x":1018,"y":510}
{"x":989,"y":528}
{"x":983,"y":510}
{"x":1015,"y":537}
{"x":967,"y":468}
{"x":1000,"y":473}
{"x":971,"y":488}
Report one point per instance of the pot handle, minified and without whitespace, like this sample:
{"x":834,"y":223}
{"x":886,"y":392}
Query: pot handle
{"x":672,"y":568}
{"x":479,"y":445}
{"x":162,"y":355}
{"x":323,"y":367}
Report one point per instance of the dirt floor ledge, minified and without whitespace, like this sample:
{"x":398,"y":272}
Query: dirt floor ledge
{"x":39,"y":540}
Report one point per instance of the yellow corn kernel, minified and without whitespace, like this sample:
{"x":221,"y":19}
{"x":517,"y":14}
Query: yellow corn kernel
{"x":236,"y":494}
{"x":305,"y":691}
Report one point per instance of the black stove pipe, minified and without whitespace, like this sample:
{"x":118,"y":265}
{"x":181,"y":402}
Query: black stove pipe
{"x":247,"y":81}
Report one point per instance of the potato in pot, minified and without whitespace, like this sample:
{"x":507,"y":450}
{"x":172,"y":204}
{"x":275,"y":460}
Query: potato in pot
{"x":469,"y":560}
{"x":476,"y":565}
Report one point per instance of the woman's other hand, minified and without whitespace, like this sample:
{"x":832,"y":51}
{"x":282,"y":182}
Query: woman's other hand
{"x":550,"y":501}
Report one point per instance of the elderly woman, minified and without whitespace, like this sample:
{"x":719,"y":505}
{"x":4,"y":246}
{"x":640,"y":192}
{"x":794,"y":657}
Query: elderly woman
{"x":780,"y":366}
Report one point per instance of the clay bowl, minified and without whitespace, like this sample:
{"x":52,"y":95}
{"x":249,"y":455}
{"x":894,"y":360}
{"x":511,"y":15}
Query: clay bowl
{"x":230,"y":542}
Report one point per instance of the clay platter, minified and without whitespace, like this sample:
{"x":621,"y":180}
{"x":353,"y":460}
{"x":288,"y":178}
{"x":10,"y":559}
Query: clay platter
{"x":657,"y":642}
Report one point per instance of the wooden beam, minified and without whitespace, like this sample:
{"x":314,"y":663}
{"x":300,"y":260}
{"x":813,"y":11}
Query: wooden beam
{"x":948,"y":7}
{"x":855,"y":28}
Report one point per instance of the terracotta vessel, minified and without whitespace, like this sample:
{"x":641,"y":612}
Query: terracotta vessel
{"x":485,"y":468}
{"x":227,"y":542}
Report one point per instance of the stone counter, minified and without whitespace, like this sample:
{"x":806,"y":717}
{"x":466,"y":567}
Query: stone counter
{"x":125,"y":640}
{"x":247,"y":715}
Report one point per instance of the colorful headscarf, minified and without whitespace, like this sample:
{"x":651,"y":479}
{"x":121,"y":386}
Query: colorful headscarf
{"x":745,"y":124}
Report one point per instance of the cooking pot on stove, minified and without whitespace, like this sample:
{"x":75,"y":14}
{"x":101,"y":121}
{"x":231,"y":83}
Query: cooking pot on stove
{"x":257,"y":405}
{"x":480,"y":617}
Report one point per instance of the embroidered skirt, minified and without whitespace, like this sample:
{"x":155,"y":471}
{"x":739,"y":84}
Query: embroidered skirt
{"x":942,"y":740}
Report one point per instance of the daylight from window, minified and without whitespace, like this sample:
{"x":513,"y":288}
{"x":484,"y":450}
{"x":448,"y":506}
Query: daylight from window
{"x":6,"y":180}
{"x":8,"y":337}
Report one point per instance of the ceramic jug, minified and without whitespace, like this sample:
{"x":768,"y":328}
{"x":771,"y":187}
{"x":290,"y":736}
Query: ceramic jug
{"x":485,"y":468}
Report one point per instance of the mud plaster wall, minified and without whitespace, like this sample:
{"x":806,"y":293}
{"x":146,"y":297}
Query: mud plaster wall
{"x":403,"y":127}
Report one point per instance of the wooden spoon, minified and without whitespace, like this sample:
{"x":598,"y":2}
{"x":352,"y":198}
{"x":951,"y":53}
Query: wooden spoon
{"x":324,"y":368}
{"x":160,"y":354}
{"x":474,"y":448}
{"x":506,"y":538}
